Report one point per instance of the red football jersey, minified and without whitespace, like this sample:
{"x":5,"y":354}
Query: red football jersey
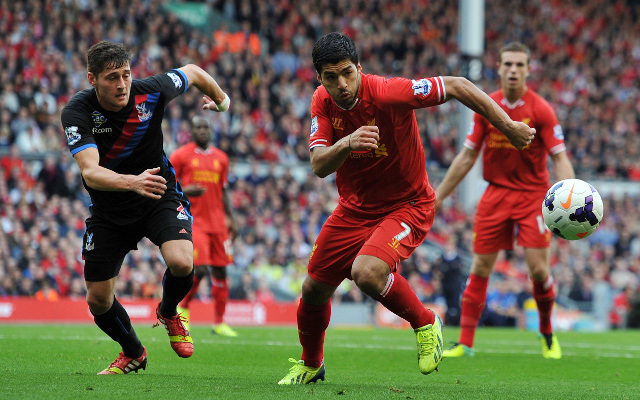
{"x":503,"y":164}
{"x":209,"y":169}
{"x":395,"y":173}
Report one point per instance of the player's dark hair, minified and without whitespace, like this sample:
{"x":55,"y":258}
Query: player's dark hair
{"x":515,"y":47}
{"x":333,"y":48}
{"x":103,"y":55}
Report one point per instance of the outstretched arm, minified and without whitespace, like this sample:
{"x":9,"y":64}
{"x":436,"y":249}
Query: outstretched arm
{"x":458,"y":169}
{"x":214,"y":98}
{"x":518,"y":133}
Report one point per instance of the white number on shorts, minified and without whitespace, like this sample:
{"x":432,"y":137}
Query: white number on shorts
{"x":404,"y":233}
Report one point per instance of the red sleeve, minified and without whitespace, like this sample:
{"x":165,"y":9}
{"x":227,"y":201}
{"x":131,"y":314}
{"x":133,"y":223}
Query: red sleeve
{"x":176,"y":160}
{"x":476,"y":133}
{"x":549,"y":129}
{"x":225,"y":171}
{"x":321,"y":129}
{"x":409,"y":93}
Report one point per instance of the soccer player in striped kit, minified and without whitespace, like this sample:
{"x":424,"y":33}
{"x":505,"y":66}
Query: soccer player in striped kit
{"x":114,"y":133}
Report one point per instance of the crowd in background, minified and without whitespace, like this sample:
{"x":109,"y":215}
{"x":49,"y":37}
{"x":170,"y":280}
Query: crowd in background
{"x":584,"y":61}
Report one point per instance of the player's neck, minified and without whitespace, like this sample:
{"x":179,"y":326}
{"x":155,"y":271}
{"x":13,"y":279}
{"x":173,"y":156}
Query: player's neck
{"x":514,"y":95}
{"x":202,"y":147}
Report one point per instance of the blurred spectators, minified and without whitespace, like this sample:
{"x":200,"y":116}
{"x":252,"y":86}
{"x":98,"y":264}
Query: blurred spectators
{"x":586,"y":56}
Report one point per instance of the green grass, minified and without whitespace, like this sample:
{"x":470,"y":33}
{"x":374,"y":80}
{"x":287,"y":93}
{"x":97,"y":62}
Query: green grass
{"x":61,"y":362}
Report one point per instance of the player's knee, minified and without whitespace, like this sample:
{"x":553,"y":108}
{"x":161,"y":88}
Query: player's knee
{"x":180,"y":268}
{"x":312,"y":293}
{"x":99,"y":303}
{"x":369,"y":280}
{"x":538,"y":272}
{"x":481,"y":267}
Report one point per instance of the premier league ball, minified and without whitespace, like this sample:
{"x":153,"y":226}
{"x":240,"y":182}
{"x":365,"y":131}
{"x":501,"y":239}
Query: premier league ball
{"x":572,"y":209}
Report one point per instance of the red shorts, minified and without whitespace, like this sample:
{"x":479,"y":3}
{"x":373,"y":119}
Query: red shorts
{"x":503,"y":214}
{"x":211,"y":249}
{"x":392,"y":238}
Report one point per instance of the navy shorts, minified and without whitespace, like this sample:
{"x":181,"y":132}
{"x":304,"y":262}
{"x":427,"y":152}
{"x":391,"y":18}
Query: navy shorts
{"x":105,"y":244}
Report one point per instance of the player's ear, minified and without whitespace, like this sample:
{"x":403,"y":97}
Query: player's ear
{"x":92,"y":79}
{"x":359,"y":67}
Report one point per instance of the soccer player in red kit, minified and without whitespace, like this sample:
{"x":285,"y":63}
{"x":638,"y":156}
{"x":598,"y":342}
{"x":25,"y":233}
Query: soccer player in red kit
{"x":518,"y":181}
{"x":202,"y":170}
{"x":363,"y":127}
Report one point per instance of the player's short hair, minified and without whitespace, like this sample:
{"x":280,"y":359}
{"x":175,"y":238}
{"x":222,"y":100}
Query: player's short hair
{"x":333,"y":48}
{"x":515,"y":47}
{"x":107,"y":55}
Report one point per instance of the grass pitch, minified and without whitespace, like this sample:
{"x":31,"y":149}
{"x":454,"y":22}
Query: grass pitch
{"x":61,"y":362}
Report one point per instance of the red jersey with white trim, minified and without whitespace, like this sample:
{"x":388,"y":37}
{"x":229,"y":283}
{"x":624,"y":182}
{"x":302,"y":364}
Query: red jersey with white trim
{"x":382,"y":180}
{"x":207,"y":168}
{"x":503,"y":164}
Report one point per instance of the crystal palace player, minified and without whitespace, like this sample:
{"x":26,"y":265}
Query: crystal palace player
{"x":364,"y":127}
{"x":113,"y":131}
{"x":202,"y":170}
{"x":518,"y":181}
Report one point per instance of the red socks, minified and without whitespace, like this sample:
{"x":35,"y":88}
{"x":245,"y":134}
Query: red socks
{"x":220,"y":295}
{"x":545,"y":297}
{"x":473,"y":301}
{"x":398,"y":298}
{"x":312,"y":323}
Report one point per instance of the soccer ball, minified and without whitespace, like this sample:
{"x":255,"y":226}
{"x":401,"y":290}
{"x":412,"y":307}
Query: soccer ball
{"x":572,"y":209}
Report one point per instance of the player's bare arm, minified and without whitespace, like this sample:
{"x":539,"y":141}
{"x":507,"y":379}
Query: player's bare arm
{"x":215,"y":99}
{"x":462,"y":163}
{"x":327,"y":160}
{"x":146,"y":184}
{"x":194,"y":190}
{"x":564,"y":169}
{"x":518,"y":133}
{"x":231,"y":221}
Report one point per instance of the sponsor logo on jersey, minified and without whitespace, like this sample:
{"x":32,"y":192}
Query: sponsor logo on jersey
{"x":100,"y":130}
{"x":337,"y":123}
{"x":314,"y":125}
{"x":98,"y":119}
{"x":422,"y":86}
{"x":89,"y":245}
{"x":379,"y":152}
{"x":72,"y":135}
{"x":557,"y":132}
{"x":176,"y":80}
{"x":143,"y":113}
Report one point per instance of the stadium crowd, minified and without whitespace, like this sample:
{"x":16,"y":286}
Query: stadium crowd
{"x":584,"y":57}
